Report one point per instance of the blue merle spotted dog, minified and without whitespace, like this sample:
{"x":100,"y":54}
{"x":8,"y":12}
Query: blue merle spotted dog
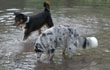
{"x":62,"y":36}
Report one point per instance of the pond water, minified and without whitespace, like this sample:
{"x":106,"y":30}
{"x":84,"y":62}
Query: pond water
{"x":89,"y":17}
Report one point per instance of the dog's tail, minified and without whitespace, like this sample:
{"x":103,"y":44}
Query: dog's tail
{"x":93,"y":42}
{"x":47,"y":6}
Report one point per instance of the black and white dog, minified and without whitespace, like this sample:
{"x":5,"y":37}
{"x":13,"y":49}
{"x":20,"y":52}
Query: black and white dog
{"x":62,"y":36}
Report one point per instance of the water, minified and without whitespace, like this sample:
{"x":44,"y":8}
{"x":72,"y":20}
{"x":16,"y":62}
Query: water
{"x":89,"y":17}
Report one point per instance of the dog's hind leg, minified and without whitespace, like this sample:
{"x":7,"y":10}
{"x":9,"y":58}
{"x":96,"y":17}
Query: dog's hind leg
{"x":63,"y":53}
{"x":47,"y":25}
{"x":39,"y":31}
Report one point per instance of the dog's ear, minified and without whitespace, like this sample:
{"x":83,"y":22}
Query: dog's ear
{"x":20,"y":15}
{"x":17,"y":13}
{"x":37,"y":46}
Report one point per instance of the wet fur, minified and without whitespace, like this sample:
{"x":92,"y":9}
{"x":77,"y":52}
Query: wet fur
{"x":65,"y":37}
{"x":35,"y":22}
{"x":57,"y":36}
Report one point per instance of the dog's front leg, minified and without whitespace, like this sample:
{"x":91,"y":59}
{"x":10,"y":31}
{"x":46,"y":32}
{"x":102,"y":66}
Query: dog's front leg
{"x":70,"y":55}
{"x":38,"y":56}
{"x":64,"y":51}
{"x":27,"y":33}
{"x":51,"y":54}
{"x":46,"y":57}
{"x":71,"y":50}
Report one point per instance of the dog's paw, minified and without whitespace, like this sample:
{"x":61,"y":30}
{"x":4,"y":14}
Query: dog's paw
{"x":44,"y":58}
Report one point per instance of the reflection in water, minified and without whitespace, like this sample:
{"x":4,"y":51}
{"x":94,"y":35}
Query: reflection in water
{"x":90,"y":18}
{"x":7,"y":4}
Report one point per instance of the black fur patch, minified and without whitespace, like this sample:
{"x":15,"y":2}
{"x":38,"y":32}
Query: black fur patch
{"x":60,"y":39}
{"x":55,"y":43}
{"x":85,"y":42}
{"x":37,"y":48}
{"x":43,"y":34}
{"x":50,"y":33}
{"x":52,"y":50}
{"x":69,"y":48}
{"x":75,"y":44}
{"x":70,"y":30}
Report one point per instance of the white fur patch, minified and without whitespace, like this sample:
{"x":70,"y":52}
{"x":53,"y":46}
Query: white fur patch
{"x":93,"y":42}
{"x":44,"y":58}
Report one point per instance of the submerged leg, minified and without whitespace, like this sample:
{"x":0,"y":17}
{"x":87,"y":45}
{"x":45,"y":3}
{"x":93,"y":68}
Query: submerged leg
{"x":51,"y":54}
{"x":64,"y":51}
{"x":71,"y":50}
{"x":38,"y":56}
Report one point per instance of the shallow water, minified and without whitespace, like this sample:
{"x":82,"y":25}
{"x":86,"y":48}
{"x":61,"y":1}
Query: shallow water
{"x":90,"y":18}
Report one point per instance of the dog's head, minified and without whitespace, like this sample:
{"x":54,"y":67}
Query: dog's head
{"x":19,"y":18}
{"x":38,"y":48}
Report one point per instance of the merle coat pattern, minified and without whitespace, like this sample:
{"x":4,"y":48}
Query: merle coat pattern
{"x":65,"y":37}
{"x":57,"y":36}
